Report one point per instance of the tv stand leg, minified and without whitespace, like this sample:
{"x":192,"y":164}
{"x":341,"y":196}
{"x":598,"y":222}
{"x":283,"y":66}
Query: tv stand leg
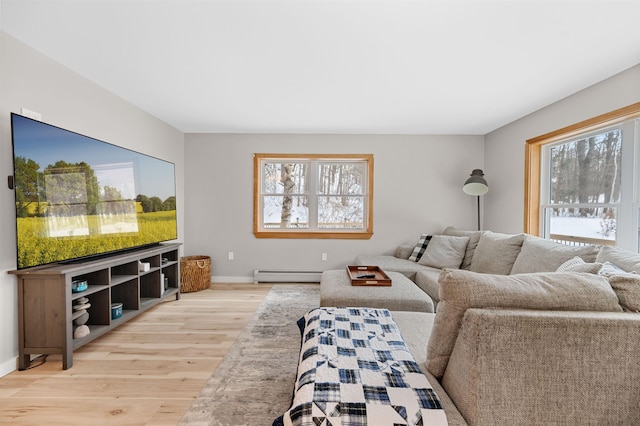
{"x":67,"y":360}
{"x":24,"y":361}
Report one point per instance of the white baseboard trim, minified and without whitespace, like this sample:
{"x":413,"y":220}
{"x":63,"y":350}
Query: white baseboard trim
{"x":221,"y":279}
{"x":8,"y":366}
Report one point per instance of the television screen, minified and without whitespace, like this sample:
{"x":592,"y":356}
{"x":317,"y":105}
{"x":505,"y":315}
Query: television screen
{"x":78,"y":197}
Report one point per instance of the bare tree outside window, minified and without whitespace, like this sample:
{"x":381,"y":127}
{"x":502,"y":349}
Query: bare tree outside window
{"x":285,"y":195}
{"x":309,"y":195}
{"x":340,"y":195}
{"x":288,"y":184}
{"x":584,"y":190}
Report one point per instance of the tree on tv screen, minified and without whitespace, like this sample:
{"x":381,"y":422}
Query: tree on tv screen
{"x":27,"y":186}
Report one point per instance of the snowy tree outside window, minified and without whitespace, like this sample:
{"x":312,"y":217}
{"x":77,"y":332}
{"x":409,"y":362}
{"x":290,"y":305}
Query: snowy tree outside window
{"x":314,"y":196}
{"x":584,"y":187}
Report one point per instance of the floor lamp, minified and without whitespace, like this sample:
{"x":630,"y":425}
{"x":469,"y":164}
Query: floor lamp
{"x":476,"y":185}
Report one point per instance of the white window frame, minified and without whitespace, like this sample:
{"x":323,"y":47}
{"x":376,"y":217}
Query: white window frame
{"x":313,"y":231}
{"x":545,"y":185}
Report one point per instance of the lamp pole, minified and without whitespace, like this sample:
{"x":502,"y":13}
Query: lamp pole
{"x":478,"y":212}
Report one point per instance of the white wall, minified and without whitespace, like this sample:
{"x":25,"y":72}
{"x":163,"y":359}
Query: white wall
{"x":505,"y":147}
{"x":417,"y":188}
{"x":29,"y":79}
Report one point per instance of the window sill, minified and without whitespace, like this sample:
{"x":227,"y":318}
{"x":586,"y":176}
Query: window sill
{"x":365,"y":235}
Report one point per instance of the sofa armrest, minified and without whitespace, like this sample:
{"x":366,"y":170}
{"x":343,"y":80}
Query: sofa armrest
{"x":546,"y":367}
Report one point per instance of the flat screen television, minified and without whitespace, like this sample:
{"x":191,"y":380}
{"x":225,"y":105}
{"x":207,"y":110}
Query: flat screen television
{"x":78,"y":197}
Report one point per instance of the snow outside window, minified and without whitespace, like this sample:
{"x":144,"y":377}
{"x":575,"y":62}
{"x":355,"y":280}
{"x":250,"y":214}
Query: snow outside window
{"x":313,"y":196}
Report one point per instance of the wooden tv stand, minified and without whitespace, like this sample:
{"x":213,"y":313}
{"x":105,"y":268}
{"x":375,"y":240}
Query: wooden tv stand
{"x":45,"y":299}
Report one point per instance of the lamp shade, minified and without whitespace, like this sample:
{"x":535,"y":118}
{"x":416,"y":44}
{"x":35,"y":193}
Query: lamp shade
{"x":476,"y":184}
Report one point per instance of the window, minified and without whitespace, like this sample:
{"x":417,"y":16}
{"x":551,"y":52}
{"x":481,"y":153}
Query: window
{"x":582,"y":193}
{"x":580,"y":182}
{"x":313,"y":196}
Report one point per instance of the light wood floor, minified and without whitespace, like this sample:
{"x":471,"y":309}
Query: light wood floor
{"x":146,"y":372}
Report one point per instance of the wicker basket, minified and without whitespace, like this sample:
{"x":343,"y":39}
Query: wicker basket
{"x":195,"y":273}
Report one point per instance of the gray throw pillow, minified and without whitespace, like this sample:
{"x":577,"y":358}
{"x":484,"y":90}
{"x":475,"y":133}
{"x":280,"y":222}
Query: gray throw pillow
{"x":444,"y":251}
{"x":542,"y":255}
{"x":474,"y":237}
{"x":625,"y":259}
{"x":496,"y":253}
{"x":403,"y":251}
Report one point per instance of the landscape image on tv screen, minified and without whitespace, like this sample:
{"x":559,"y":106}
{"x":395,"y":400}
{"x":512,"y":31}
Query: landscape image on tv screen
{"x":78,"y":197}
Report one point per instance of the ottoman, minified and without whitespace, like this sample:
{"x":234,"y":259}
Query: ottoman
{"x":402,"y":295}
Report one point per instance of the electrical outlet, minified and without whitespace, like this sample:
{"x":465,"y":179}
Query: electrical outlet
{"x":324,"y":256}
{"x":230,"y":256}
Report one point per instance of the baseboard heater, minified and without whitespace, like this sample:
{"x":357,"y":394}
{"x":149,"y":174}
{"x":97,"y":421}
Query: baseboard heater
{"x":266,"y":276}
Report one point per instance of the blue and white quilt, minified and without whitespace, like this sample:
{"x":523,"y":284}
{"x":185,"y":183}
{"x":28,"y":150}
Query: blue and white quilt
{"x":355,"y":370}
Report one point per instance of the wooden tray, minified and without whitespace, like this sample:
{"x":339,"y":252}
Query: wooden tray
{"x":379,"y":277}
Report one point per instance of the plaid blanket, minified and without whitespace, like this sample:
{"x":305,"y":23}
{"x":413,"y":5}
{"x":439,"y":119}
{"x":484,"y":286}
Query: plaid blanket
{"x":355,"y":370}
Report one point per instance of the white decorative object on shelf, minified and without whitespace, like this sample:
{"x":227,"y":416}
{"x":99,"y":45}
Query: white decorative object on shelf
{"x":144,"y":266}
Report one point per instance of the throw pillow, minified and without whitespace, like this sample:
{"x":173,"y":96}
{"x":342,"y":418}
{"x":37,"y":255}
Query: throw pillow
{"x":403,"y":251}
{"x":444,"y":251}
{"x":571,"y":263}
{"x":586,"y":268}
{"x":496,"y":253}
{"x":576,"y":264}
{"x":609,"y":269}
{"x":420,"y":247}
{"x":542,"y":255}
{"x":474,"y":237}
{"x":627,"y":288}
{"x":625,"y":259}
{"x":461,"y":290}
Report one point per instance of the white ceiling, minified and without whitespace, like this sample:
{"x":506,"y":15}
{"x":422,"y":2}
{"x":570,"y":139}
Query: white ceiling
{"x":323,"y":66}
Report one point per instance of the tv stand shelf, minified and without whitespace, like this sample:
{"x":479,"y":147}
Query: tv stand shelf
{"x":45,"y":298}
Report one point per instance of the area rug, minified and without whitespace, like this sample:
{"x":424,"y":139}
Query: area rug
{"x":254,"y":383}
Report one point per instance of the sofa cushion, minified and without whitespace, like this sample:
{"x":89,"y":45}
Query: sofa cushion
{"x":496,"y":253}
{"x":444,"y":251}
{"x":420,"y":247}
{"x":625,"y":259}
{"x":461,"y":290}
{"x":474,"y":237}
{"x":627,"y":288}
{"x":389,"y":263}
{"x":576,"y":264}
{"x":542,"y":255}
{"x":427,"y":280}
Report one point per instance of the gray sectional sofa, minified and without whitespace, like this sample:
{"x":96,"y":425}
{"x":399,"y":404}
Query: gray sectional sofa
{"x":485,"y":252}
{"x":526,"y":331}
{"x":425,"y":277}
